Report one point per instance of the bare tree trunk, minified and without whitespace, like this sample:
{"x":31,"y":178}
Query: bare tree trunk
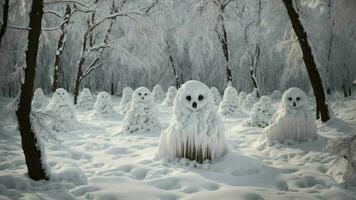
{"x":60,"y":47}
{"x":28,"y":138}
{"x":308,"y":57}
{"x":4,"y":19}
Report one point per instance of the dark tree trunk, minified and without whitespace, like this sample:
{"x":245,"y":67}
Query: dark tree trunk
{"x":28,"y":138}
{"x":60,"y":47}
{"x":345,"y":91}
{"x":4,"y":19}
{"x":350,"y":91}
{"x":176,"y":77}
{"x":308,"y":57}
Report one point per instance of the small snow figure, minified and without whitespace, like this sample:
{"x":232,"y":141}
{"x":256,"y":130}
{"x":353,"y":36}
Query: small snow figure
{"x":276,"y":95}
{"x":39,"y":100}
{"x":261,"y":113}
{"x":229,"y":105}
{"x":249,"y":101}
{"x":142,"y":115}
{"x":62,"y":108}
{"x":85,"y":100}
{"x":125,"y":100}
{"x":103,"y":108}
{"x":196,"y":131}
{"x":293,"y":119}
{"x":242,"y":97}
{"x":171,"y":94}
{"x":216,"y":95}
{"x":157,"y":94}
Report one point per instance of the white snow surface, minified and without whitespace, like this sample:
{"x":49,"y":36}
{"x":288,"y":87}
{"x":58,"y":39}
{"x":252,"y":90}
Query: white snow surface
{"x":92,"y":162}
{"x":171,"y":94}
{"x":125,"y":100}
{"x":85,"y":100}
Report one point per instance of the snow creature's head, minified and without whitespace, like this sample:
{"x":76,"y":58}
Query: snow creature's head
{"x":103,"y":97}
{"x":86,"y":92}
{"x":127,"y":92}
{"x":230,"y":92}
{"x":194,"y":96}
{"x":38,"y":93}
{"x":294,"y":98}
{"x":142,"y":94}
{"x":60,"y":95}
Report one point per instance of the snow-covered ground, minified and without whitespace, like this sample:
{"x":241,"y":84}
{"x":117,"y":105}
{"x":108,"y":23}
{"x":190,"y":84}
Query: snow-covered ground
{"x":94,"y":161}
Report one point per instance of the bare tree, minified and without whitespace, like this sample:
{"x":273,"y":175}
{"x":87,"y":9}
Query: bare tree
{"x":322,"y":109}
{"x":33,"y":154}
{"x":5,"y":14}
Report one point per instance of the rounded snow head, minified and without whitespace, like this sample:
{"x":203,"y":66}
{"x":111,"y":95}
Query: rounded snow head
{"x":60,"y":97}
{"x":229,"y":105}
{"x":157,"y":94}
{"x":125,"y":100}
{"x":103,"y":106}
{"x":39,"y":100}
{"x":242,"y":97}
{"x":216,"y":95}
{"x":230,"y":93}
{"x":142,"y":95}
{"x":171,"y":94}
{"x":38,"y":93}
{"x":127,"y":93}
{"x":294,"y":98}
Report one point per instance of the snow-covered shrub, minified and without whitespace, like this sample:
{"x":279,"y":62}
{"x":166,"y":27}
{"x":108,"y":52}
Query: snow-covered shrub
{"x":85,"y":100}
{"x":142,"y":115}
{"x":241,"y":98}
{"x":103,"y":108}
{"x":171,"y":94}
{"x":62,"y":108}
{"x":249,"y":101}
{"x":39,"y":100}
{"x":261,"y":113}
{"x":196,"y":131}
{"x":345,"y":148}
{"x":125,"y":100}
{"x":216,"y":95}
{"x":157,"y":94}
{"x":276,"y":95}
{"x":293,"y":119}
{"x":229,"y":105}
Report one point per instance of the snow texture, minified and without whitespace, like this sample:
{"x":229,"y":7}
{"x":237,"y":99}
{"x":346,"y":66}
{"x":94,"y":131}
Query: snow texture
{"x":157,"y":94}
{"x":125,"y":100}
{"x":250,"y":100}
{"x":62,"y":108}
{"x":171,"y":94}
{"x":103,"y":108}
{"x":39,"y":101}
{"x":293,"y":120}
{"x":196,"y":131}
{"x":142,"y":116}
{"x":229,"y":105}
{"x":85,"y":100}
{"x":276,"y":95}
{"x":241,"y":98}
{"x":216,"y":95}
{"x":261,"y":113}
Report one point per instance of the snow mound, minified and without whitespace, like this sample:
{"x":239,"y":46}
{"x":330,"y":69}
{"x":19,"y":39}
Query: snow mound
{"x":85,"y":100}
{"x":196,"y":131}
{"x":171,"y":94}
{"x":157,"y":94}
{"x":261,"y":113}
{"x":293,"y":119}
{"x":229,"y":105}
{"x":71,"y":174}
{"x":103,"y":108}
{"x":125,"y":100}
{"x":39,"y":101}
{"x":216,"y":95}
{"x":142,"y":116}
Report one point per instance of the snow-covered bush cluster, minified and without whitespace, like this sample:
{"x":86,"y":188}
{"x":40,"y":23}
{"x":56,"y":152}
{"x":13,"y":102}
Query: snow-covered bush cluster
{"x":125,"y":100}
{"x":261,"y":113}
{"x":157,"y":93}
{"x":85,"y":100}
{"x":216,"y":95}
{"x":171,"y":94}
{"x":229,"y":105}
{"x":39,"y":100}
{"x":103,"y":107}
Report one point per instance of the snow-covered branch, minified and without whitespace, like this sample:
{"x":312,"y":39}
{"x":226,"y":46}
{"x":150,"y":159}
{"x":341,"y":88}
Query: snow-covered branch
{"x":56,"y":27}
{"x":52,"y":13}
{"x":65,"y":2}
{"x":19,"y":27}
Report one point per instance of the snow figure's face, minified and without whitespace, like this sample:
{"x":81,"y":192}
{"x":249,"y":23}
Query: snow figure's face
{"x":230,"y":92}
{"x":60,"y":95}
{"x":104,"y":97}
{"x":242,"y":94}
{"x":38,"y":92}
{"x":195,"y":96}
{"x":142,"y":94}
{"x":294,"y":98}
{"x":127,"y":91}
{"x":86,"y":92}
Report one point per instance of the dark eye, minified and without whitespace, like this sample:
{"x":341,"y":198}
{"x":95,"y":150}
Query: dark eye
{"x":139,"y":94}
{"x":145,"y":94}
{"x":290,"y":99}
{"x":188,"y":98}
{"x":298,"y":98}
{"x":200,"y":97}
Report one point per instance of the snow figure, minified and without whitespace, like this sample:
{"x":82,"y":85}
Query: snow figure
{"x":241,"y":98}
{"x":125,"y":100}
{"x":261,"y":113}
{"x":62,"y":108}
{"x":229,"y":105}
{"x":103,"y":108}
{"x":39,"y":100}
{"x":249,"y":101}
{"x":196,"y":131}
{"x":142,"y":115}
{"x":157,"y":94}
{"x":216,"y":95}
{"x":293,"y":119}
{"x":85,"y":100}
{"x":276,"y":95}
{"x":171,"y":94}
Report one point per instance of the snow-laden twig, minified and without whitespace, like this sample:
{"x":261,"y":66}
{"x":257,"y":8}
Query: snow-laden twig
{"x":19,"y":27}
{"x":56,"y":27}
{"x":65,"y":1}
{"x":52,"y":13}
{"x":11,"y":51}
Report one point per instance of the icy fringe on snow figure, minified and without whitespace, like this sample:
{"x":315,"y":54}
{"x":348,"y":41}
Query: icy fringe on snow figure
{"x":345,"y":148}
{"x":125,"y":100}
{"x":276,"y":95}
{"x":171,"y":94}
{"x":62,"y":108}
{"x":216,"y":95}
{"x":196,"y":131}
{"x":39,"y":100}
{"x":261,"y":113}
{"x":241,"y":98}
{"x":250,"y":100}
{"x":293,"y":120}
{"x":103,"y":108}
{"x":229,"y":105}
{"x":157,"y":94}
{"x":85,"y":100}
{"x":142,"y":116}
